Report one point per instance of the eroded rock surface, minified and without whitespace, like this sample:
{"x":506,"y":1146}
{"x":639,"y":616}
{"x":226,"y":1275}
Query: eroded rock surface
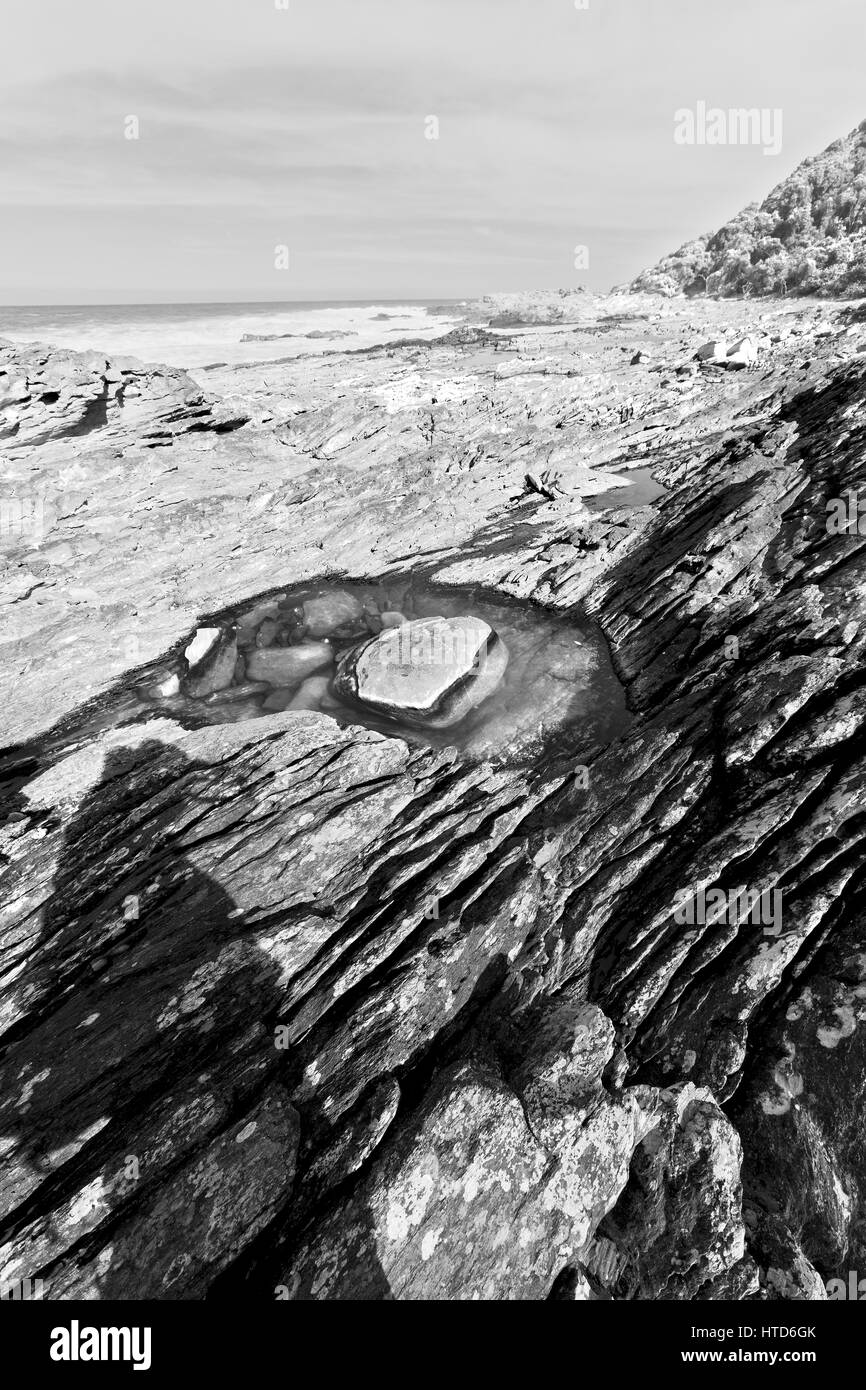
{"x":297,"y":1010}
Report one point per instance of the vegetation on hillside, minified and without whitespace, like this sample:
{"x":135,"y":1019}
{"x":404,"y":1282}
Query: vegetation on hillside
{"x":807,"y":237}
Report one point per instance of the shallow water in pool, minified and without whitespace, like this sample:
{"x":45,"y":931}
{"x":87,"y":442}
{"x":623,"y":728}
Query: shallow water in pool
{"x":559,"y":676}
{"x":642,"y":489}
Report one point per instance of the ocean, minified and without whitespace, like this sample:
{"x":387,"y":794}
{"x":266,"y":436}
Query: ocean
{"x":201,"y":335}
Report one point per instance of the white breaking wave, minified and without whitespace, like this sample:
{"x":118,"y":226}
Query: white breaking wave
{"x":194,"y":336}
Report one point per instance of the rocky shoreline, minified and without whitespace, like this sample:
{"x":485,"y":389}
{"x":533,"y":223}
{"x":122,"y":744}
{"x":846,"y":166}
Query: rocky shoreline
{"x":296,"y":1008}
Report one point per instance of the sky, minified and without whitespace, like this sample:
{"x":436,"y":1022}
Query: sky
{"x":304,"y":124}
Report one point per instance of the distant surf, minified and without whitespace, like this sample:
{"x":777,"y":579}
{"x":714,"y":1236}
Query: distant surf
{"x":198,"y":335}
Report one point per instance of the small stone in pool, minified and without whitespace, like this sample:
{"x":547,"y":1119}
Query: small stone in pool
{"x":167,"y":689}
{"x":313,"y":694}
{"x":238,"y":692}
{"x":249,"y":623}
{"x":216,"y":669}
{"x":204,"y":640}
{"x":284,"y":666}
{"x":326,"y":613}
{"x":277,"y":701}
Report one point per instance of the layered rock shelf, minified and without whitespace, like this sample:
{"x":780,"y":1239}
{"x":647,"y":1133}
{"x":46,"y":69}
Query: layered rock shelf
{"x":301,"y":1000}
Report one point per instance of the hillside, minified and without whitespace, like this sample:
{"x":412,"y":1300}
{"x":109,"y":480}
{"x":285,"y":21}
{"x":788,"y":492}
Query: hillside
{"x":807,"y":237}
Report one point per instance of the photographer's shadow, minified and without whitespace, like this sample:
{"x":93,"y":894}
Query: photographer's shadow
{"x":144,"y":987}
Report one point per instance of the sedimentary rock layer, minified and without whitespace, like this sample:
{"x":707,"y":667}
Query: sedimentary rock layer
{"x":298,"y":1010}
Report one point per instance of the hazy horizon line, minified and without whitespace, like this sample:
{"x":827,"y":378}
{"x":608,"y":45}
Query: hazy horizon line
{"x":294,"y":303}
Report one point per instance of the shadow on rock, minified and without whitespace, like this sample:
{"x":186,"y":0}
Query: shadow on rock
{"x":145,"y":1038}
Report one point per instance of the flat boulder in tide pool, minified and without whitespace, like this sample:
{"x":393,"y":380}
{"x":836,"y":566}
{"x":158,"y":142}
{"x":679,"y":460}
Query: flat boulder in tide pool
{"x":430,"y":672}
